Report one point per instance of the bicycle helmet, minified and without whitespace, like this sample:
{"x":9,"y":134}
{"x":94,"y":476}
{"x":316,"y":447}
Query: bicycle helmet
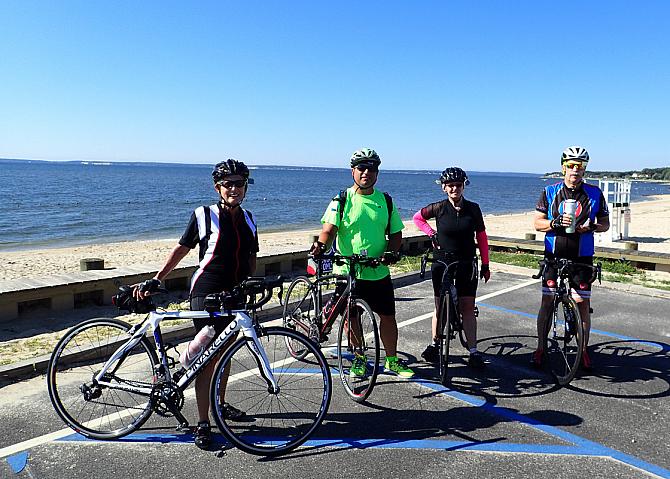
{"x":228,"y":168}
{"x":453,"y":175}
{"x":366,"y":156}
{"x":575,"y":153}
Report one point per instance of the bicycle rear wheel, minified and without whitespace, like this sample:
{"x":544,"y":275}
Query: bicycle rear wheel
{"x":444,"y":325}
{"x":565,"y":341}
{"x":358,"y":350}
{"x":275,"y":422}
{"x":299,"y":313}
{"x":92,"y":409}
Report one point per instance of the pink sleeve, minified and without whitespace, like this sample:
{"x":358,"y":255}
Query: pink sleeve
{"x":483,"y":244}
{"x":422,"y":224}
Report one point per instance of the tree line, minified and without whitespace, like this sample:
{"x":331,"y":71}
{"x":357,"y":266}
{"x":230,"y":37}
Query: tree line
{"x":644,"y":174}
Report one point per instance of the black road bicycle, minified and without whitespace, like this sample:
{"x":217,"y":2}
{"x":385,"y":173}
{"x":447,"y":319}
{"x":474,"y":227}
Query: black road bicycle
{"x":565,"y":331}
{"x":106,"y":377}
{"x":358,"y":334}
{"x":449,"y":319}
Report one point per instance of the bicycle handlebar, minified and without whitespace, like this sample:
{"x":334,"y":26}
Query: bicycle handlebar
{"x":252,"y":286}
{"x":563,"y":265}
{"x":449,"y":261}
{"x":249,"y":287}
{"x":356,"y":259}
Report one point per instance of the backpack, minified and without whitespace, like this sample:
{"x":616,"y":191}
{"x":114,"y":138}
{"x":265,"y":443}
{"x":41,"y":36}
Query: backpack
{"x":342,"y":199}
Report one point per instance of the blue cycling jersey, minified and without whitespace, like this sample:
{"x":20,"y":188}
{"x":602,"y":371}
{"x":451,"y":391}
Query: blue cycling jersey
{"x":591,"y":204}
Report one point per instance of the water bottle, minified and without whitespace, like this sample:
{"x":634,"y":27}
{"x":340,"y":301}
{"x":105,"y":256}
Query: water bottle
{"x":196,"y":346}
{"x":569,"y":209}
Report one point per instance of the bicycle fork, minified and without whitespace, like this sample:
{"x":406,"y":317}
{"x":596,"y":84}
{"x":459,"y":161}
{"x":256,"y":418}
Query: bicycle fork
{"x":262,"y":361}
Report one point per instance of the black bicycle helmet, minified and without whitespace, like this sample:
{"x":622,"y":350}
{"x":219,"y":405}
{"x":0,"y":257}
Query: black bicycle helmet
{"x":366,"y":156}
{"x":228,"y":168}
{"x":453,"y":175}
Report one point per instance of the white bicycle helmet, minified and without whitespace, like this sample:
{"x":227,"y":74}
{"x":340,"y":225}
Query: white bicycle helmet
{"x":575,"y":153}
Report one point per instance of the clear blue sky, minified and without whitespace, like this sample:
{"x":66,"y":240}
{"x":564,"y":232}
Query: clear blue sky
{"x":487,"y":85}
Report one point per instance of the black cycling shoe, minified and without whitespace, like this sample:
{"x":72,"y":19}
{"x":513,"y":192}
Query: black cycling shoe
{"x":203,"y":435}
{"x":431,"y":354}
{"x":476,"y":360}
{"x":232,"y":413}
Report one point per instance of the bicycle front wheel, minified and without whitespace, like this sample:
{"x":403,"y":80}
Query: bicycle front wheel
{"x":444,"y":325}
{"x":276,"y":421}
{"x":358,"y":350}
{"x":101,"y":411}
{"x":565,"y":341}
{"x":299,"y":313}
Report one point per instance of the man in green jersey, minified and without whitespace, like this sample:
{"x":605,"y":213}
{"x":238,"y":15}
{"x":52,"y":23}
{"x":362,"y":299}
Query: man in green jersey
{"x":361,"y":228}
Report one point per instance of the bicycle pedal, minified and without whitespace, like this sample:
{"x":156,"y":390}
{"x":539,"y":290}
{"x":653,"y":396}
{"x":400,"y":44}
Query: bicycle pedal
{"x":183,"y":427}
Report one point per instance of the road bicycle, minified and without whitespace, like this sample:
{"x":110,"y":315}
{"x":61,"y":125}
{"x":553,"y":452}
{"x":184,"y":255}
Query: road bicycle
{"x":565,"y":331}
{"x":358,"y":333}
{"x":106,"y":377}
{"x":449,"y":319}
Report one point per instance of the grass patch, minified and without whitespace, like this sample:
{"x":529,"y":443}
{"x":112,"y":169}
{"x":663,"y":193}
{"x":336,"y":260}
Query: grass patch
{"x":526,"y":260}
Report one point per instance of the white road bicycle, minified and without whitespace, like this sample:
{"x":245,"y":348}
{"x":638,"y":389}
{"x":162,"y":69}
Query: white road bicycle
{"x":106,"y":377}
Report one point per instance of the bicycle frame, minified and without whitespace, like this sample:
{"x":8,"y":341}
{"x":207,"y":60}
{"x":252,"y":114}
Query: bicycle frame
{"x":447,"y":284}
{"x":241,"y":322}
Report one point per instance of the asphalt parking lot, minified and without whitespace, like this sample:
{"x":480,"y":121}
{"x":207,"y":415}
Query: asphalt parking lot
{"x":508,"y":420}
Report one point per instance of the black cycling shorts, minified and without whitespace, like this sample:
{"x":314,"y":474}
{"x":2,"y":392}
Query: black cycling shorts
{"x":551,"y":274}
{"x":378,"y":294}
{"x":465,"y":279}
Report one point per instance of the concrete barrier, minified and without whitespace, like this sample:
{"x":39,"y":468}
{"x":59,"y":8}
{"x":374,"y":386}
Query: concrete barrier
{"x":22,"y":297}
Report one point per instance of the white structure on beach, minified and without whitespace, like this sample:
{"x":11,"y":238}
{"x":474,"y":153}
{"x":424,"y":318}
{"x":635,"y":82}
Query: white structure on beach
{"x":617,"y":195}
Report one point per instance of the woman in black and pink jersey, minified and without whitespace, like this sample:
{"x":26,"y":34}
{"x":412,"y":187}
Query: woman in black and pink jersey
{"x":459,"y":222}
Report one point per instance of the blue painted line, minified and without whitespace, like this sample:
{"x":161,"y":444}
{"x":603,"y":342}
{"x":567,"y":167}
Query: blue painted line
{"x":18,"y":462}
{"x":593,"y":331}
{"x":583,"y":446}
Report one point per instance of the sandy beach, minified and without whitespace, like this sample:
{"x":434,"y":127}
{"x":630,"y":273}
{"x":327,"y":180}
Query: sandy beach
{"x":650,"y":227}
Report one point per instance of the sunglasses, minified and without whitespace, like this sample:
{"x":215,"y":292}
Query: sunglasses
{"x":362,"y":168}
{"x":453,"y":185}
{"x":230,"y":184}
{"x":572,"y":164}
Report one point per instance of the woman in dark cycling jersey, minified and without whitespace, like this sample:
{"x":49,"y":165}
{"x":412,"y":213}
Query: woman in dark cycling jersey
{"x":458,"y":222}
{"x":228,"y":242}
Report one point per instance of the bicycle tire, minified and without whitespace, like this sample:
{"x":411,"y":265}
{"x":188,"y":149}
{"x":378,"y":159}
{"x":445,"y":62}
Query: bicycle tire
{"x":299,"y":312}
{"x":447,"y":308}
{"x":111,"y":412}
{"x":565,"y":340}
{"x":275,"y":423}
{"x":366,"y":339}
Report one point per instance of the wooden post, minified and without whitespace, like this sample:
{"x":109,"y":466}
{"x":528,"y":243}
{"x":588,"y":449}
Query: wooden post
{"x":530,"y":236}
{"x":88,"y":264}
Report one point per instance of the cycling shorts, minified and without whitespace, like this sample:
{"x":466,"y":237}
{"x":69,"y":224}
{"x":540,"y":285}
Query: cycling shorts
{"x":465,"y":280}
{"x":551,"y":275}
{"x":377,"y":293}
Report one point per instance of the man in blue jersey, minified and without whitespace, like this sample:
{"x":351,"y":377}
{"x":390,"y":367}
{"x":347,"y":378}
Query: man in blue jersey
{"x":591,"y":216}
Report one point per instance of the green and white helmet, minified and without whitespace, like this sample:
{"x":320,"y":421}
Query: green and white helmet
{"x":366,"y":156}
